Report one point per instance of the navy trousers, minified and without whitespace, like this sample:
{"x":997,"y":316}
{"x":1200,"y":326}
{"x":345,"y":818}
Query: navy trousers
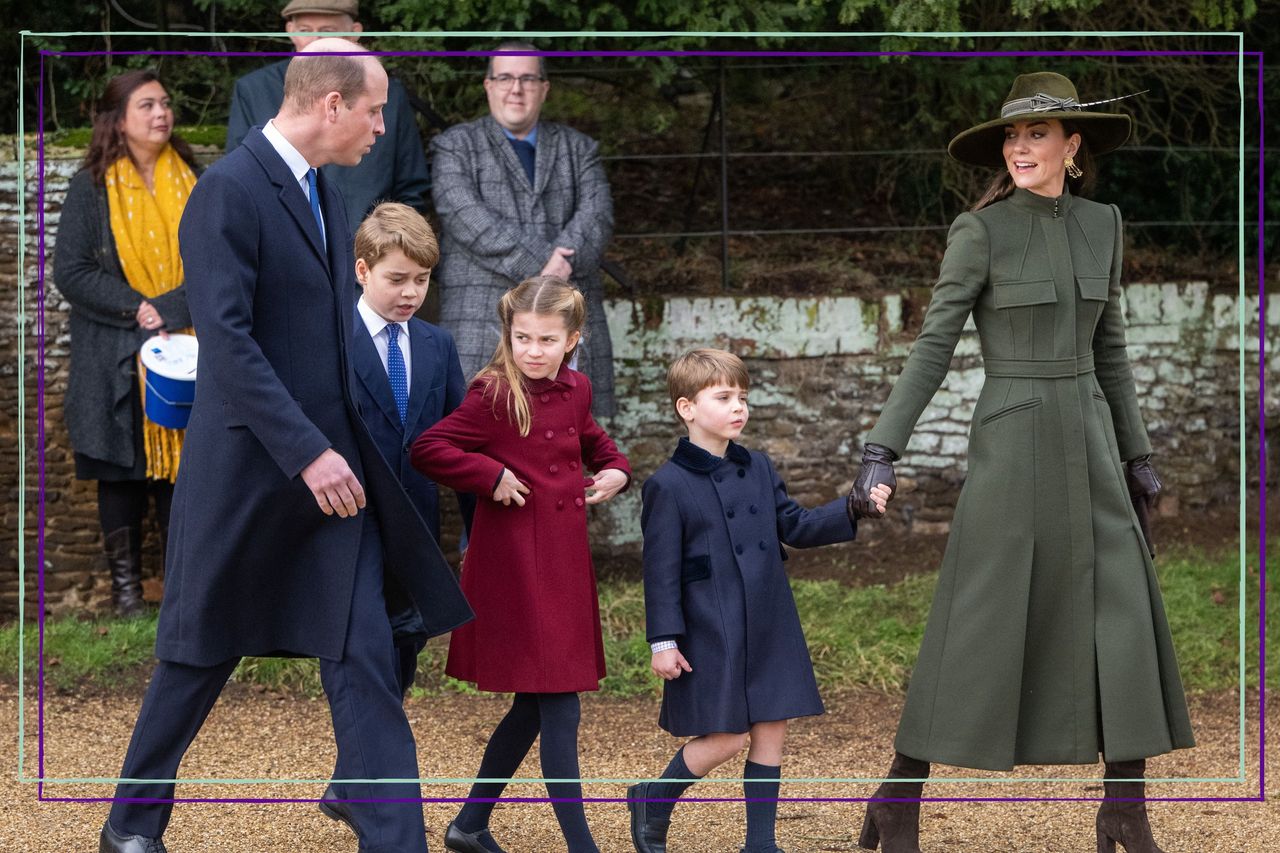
{"x":373,"y":736}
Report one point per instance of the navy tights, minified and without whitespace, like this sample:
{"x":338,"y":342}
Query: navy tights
{"x":555,"y":717}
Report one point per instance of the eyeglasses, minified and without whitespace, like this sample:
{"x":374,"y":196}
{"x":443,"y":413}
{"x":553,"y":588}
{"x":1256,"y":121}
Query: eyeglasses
{"x":506,"y":81}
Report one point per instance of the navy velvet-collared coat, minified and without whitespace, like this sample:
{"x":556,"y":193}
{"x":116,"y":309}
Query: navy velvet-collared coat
{"x":714,"y":581}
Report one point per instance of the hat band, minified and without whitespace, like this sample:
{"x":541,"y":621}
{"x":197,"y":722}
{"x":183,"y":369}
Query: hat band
{"x":1038,"y":103}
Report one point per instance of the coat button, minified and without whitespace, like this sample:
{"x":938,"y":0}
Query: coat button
{"x":717,"y":478}
{"x":573,"y":466}
{"x":554,"y":469}
{"x":742,"y":472}
{"x":564,"y":395}
{"x":737,"y":549}
{"x":573,"y":430}
{"x":546,"y":398}
{"x":762,"y":545}
{"x":729,"y":513}
{"x":559,"y":504}
{"x":548,"y":435}
{"x":578,"y":502}
{"x":754,"y":510}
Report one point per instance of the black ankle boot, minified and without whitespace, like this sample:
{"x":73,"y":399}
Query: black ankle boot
{"x":1121,"y":821}
{"x":895,"y":827}
{"x":123,"y":550}
{"x":648,"y":833}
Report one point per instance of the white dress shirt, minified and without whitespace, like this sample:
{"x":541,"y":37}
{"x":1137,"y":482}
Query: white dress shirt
{"x":377,"y":327}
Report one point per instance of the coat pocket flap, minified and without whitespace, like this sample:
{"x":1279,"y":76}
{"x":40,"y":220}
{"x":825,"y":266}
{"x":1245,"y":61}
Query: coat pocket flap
{"x":1015,"y":294}
{"x":695,"y":568}
{"x":1095,"y":287}
{"x":1010,"y":409}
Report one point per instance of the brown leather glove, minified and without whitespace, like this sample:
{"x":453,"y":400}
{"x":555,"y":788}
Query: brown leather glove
{"x":1143,"y":485}
{"x":877,"y":469}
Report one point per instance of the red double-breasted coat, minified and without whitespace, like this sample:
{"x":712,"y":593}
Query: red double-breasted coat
{"x":527,"y":573}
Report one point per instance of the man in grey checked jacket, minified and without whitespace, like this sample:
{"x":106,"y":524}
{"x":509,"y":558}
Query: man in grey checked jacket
{"x":518,"y":198}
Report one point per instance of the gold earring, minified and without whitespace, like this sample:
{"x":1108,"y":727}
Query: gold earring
{"x":1072,"y":169}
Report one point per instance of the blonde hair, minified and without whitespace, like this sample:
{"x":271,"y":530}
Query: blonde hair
{"x":392,"y":225}
{"x":543,"y":296}
{"x":702,"y":368}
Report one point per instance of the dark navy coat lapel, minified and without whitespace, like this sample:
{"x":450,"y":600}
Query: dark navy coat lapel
{"x":368,"y":367}
{"x":422,"y":349}
{"x":332,"y":206}
{"x":290,"y":192}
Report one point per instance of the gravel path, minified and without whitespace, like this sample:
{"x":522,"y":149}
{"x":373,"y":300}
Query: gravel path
{"x":254,"y":735}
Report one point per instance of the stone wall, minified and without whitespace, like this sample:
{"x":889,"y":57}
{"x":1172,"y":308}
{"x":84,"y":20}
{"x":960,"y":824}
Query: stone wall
{"x":821,"y":368}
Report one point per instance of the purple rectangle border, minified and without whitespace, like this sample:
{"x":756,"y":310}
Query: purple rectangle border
{"x":1262,"y":461}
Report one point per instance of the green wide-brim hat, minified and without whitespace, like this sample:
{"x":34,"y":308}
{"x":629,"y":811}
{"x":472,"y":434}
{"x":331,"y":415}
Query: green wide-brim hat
{"x":1042,"y":95}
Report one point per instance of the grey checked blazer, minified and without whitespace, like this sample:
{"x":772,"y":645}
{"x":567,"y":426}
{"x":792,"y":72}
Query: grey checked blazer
{"x":497,"y":230}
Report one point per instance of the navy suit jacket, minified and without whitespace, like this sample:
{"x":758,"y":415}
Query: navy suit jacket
{"x":253,"y":566}
{"x":436,"y":388}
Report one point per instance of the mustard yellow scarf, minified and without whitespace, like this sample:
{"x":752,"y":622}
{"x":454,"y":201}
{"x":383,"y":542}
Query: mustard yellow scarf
{"x":145,"y":227}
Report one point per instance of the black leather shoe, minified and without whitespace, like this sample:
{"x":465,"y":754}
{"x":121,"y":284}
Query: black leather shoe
{"x":469,"y":842}
{"x":109,"y":841}
{"x":648,"y":834}
{"x":335,"y":809}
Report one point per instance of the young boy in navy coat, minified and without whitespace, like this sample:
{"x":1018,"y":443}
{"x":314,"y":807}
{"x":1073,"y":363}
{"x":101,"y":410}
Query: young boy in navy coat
{"x":720,"y":616}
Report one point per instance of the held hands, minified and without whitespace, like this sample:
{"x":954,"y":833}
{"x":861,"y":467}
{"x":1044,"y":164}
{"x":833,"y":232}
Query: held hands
{"x":669,"y":664}
{"x":880,"y":495}
{"x":606,"y":483}
{"x":1143,"y":485}
{"x":510,"y":489}
{"x":558,"y":264}
{"x":877,"y":467}
{"x":334,"y":486}
{"x":149,"y":318}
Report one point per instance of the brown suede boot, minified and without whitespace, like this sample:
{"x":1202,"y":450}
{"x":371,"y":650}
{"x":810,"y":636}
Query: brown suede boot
{"x":1123,"y":815}
{"x":123,"y":550}
{"x":895,"y":827}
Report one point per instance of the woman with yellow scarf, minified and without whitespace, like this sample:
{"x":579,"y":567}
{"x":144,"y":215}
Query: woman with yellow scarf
{"x":116,"y":261}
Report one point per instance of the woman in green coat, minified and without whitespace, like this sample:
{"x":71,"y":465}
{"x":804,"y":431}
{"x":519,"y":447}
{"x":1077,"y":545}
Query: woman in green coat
{"x":1047,"y":641}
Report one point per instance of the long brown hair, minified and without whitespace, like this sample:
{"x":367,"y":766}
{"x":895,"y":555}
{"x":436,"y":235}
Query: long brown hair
{"x":108,"y":143}
{"x":543,"y":296}
{"x":1001,"y":186}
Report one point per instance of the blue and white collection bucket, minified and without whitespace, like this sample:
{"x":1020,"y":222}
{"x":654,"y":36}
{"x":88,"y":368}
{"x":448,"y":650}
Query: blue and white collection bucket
{"x":171,"y":379}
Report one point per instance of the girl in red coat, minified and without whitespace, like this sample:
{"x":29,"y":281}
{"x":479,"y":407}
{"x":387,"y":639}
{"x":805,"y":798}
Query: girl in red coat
{"x":524,"y":436}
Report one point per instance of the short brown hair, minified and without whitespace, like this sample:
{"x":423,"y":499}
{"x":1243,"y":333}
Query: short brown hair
{"x":392,"y":225}
{"x":517,"y":47}
{"x":311,"y":76}
{"x":702,"y":368}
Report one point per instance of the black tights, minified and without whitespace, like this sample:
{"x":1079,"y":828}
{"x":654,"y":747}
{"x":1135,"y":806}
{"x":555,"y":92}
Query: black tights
{"x":555,"y":717}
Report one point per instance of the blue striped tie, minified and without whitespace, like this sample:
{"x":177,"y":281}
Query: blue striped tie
{"x":315,"y":204}
{"x":396,"y":372}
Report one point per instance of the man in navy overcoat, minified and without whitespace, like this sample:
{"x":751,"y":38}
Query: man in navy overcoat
{"x":285,"y":514}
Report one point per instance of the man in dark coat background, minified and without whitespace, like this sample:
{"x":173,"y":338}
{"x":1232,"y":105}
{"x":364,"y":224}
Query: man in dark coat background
{"x":395,"y":170}
{"x":269,"y":552}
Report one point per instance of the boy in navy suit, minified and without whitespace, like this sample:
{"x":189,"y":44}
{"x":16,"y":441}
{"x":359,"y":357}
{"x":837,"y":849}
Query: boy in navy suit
{"x":407,"y":377}
{"x":402,"y":390}
{"x":721,"y":620}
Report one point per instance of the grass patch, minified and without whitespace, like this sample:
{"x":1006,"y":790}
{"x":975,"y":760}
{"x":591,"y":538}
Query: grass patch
{"x":858,"y":636}
{"x":102,"y":652}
